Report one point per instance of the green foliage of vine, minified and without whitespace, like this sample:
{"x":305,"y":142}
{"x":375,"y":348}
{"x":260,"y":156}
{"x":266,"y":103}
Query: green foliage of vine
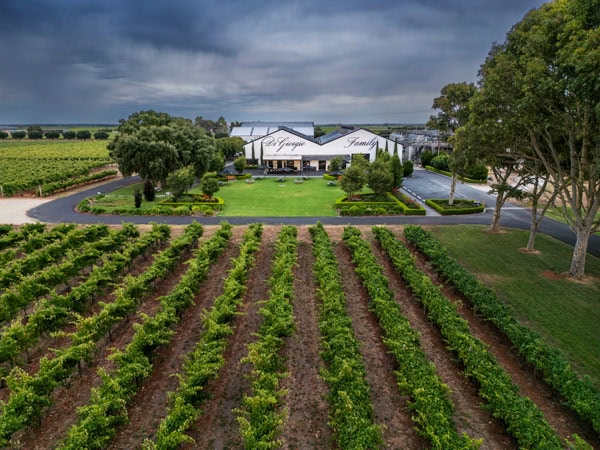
{"x":415,"y":374}
{"x":521,"y":416}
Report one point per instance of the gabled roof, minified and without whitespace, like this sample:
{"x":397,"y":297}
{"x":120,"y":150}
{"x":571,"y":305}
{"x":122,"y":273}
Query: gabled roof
{"x":257,"y":129}
{"x":289,"y":130}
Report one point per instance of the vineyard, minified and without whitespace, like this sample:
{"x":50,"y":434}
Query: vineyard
{"x":46,"y":167}
{"x":259,"y":336}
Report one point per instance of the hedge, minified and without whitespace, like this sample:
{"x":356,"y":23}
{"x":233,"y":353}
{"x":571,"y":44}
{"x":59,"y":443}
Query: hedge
{"x":393,"y":206}
{"x":433,"y":202}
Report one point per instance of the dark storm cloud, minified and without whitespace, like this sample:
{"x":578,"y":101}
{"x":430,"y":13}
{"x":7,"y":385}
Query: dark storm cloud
{"x":321,"y":60}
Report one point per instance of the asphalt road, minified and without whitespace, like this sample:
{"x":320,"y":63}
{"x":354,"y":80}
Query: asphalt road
{"x":422,"y":184}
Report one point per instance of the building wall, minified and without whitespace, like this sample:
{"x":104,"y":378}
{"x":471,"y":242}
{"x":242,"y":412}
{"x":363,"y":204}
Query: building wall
{"x":283,"y":145}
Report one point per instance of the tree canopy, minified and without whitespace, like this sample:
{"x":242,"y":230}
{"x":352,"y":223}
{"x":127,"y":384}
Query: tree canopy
{"x":538,"y":100}
{"x":154,"y":144}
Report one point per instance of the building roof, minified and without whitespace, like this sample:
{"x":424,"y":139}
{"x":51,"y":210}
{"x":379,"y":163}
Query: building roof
{"x":257,"y":129}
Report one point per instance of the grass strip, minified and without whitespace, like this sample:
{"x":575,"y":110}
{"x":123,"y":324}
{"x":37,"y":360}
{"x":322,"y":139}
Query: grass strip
{"x":260,"y":417}
{"x":521,"y":416}
{"x":351,"y":411}
{"x":416,"y":375}
{"x":205,"y":361}
{"x":580,"y":394}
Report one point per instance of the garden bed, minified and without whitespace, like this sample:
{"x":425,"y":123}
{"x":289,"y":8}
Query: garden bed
{"x":376,"y":205}
{"x":460,"y":206}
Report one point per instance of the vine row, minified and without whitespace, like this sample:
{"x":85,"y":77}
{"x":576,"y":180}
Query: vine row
{"x":51,"y":253}
{"x":107,"y":407}
{"x":34,"y":242}
{"x":12,"y":237}
{"x":580,"y":394}
{"x":42,"y":282}
{"x":521,"y":416}
{"x":260,"y":418}
{"x":51,"y":313}
{"x":30,"y":394}
{"x":351,"y":410}
{"x":205,"y":361}
{"x":416,"y":375}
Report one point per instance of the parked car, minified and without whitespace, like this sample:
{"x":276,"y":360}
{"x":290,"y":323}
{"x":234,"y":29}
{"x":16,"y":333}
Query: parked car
{"x":309,"y":168}
{"x":336,"y":173}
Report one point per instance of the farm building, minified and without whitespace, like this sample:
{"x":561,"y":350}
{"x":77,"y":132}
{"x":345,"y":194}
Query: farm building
{"x":249,"y":131}
{"x":286,"y":147}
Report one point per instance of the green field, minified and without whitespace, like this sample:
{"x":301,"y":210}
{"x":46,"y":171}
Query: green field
{"x":263,"y":198}
{"x":565,"y":312}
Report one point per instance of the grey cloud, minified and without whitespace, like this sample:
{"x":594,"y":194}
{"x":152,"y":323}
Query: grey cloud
{"x":85,"y":60}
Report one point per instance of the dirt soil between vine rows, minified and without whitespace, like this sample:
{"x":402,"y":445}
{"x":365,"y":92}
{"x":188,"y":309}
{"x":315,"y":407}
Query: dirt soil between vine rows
{"x":306,"y":423}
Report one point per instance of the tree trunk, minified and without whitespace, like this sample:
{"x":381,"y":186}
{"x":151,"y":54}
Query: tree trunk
{"x":452,"y":189}
{"x":532,"y":234}
{"x":577,"y":269}
{"x":495,"y":225}
{"x":533,"y":228}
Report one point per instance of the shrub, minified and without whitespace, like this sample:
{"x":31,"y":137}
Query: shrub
{"x":408,"y":168}
{"x":460,"y":206}
{"x":35,"y":134}
{"x":3,"y":134}
{"x":52,"y":134}
{"x":83,"y":134}
{"x":137,"y":198}
{"x":426,"y":157}
{"x":477,"y":172}
{"x":69,"y":135}
{"x":149,"y":192}
{"x":18,"y":134}
{"x":440,"y":162}
{"x":101,"y":135}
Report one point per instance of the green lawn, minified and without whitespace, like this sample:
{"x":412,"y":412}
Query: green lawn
{"x":565,"y":312}
{"x":556,"y":214}
{"x":263,"y":198}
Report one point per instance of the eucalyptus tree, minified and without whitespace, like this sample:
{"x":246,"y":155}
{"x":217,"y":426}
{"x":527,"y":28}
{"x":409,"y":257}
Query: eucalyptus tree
{"x":453,"y":104}
{"x":493,"y":133}
{"x":552,"y":58}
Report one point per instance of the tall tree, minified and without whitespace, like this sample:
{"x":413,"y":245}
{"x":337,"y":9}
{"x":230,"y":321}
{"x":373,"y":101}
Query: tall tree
{"x":552,"y":57}
{"x":397,"y":168}
{"x":353,"y":180}
{"x":380,"y":177}
{"x":454,"y":110}
{"x":154,"y":144}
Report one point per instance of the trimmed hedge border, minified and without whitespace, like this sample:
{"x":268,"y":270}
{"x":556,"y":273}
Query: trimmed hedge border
{"x":580,"y":394}
{"x":454,"y":211}
{"x":172,"y":209}
{"x":460,"y":177}
{"x":394,"y":206}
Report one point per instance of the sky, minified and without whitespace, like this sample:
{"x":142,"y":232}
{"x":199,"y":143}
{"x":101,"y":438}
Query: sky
{"x":323,"y":61}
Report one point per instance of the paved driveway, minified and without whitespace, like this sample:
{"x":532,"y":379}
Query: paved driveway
{"x":424,"y":184}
